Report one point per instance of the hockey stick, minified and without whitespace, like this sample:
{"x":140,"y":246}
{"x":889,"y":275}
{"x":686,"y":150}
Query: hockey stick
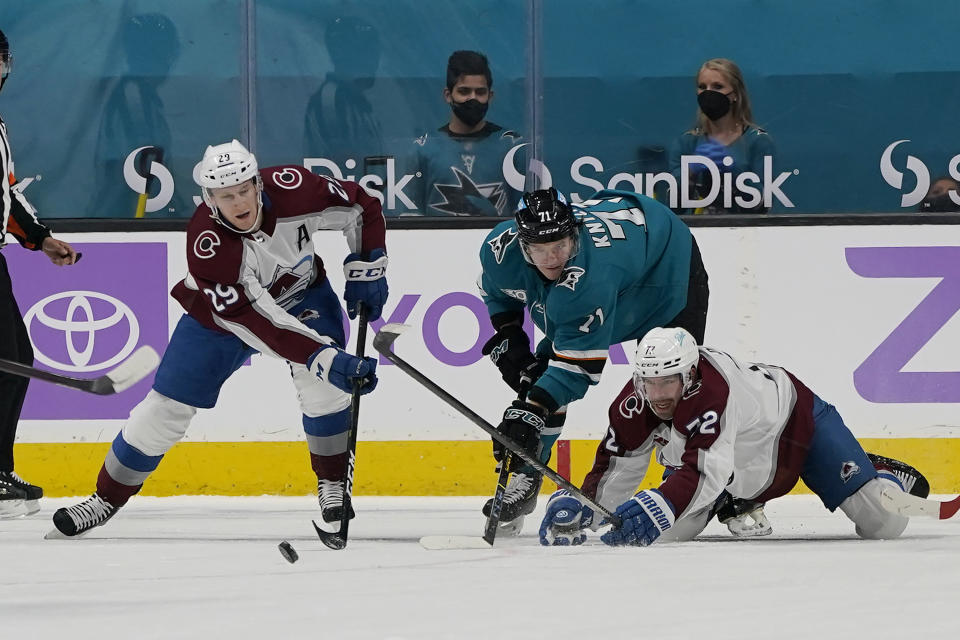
{"x":493,"y":520}
{"x":383,"y":342}
{"x":131,"y":371}
{"x":905,"y":504}
{"x":338,"y":540}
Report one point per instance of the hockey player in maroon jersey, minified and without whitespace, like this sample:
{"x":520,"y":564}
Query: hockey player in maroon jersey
{"x":255,"y":285}
{"x":724,"y":429}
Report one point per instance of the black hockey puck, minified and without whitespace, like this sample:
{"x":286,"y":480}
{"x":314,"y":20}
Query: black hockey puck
{"x":288,"y":552}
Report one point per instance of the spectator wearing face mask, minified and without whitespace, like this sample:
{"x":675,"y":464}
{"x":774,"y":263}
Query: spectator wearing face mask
{"x":725,"y":134}
{"x":938,"y":198}
{"x":459,"y":165}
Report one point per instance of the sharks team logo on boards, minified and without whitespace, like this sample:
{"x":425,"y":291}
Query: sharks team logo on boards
{"x":499,"y":244}
{"x":848,"y":470}
{"x":570,"y":277}
{"x":467,"y":197}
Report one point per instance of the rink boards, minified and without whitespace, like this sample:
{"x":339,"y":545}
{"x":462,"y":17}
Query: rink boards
{"x":863,"y":314}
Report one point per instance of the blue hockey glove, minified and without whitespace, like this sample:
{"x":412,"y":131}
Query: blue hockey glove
{"x":522,"y":422}
{"x":716,"y":152}
{"x":644,"y":517}
{"x":339,"y":368}
{"x":565,"y":520}
{"x":366,"y":283}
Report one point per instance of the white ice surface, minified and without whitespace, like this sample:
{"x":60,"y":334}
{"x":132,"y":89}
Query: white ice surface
{"x":208,"y":567}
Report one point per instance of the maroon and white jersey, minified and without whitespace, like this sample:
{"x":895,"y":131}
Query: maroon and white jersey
{"x":743,"y":427}
{"x":244,"y":283}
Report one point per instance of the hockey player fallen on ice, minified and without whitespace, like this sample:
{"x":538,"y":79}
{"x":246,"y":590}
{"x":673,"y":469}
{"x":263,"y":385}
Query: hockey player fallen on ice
{"x":255,"y":285}
{"x":592,"y":274}
{"x":721,"y":426}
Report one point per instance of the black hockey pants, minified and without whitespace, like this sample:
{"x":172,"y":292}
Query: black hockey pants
{"x":14,"y":345}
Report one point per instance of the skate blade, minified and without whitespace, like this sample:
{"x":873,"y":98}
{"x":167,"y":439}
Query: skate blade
{"x":10,"y":509}
{"x":32,"y":506}
{"x":511,"y":529}
{"x":56,"y":534}
{"x":440,"y":543}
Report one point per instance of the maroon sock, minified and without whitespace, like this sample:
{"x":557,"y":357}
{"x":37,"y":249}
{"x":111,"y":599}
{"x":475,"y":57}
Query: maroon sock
{"x":112,"y":491}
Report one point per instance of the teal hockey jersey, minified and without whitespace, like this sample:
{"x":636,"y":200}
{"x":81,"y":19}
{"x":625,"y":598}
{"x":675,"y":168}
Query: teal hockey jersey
{"x":462,"y":175}
{"x":630,"y":274}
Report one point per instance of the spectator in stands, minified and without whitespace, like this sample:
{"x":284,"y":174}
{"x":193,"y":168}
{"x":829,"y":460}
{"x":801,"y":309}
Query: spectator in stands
{"x":461,"y":162}
{"x":938,"y":198}
{"x":725,"y":134}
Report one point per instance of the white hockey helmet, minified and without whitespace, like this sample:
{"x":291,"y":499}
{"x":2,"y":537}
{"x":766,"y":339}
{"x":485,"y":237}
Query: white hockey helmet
{"x":663,"y":352}
{"x":226,"y":165}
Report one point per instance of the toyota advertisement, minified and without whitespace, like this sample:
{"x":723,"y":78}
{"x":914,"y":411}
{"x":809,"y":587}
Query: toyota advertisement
{"x":86,"y":319}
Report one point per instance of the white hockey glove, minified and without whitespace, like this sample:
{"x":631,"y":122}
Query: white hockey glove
{"x":740,"y":527}
{"x":737,"y":514}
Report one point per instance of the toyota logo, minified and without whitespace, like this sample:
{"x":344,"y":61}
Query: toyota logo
{"x":79,"y":319}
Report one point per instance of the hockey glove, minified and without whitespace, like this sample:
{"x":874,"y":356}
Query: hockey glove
{"x":565,"y":520}
{"x":339,"y":368}
{"x":522,"y":422}
{"x":366,"y":283}
{"x":509,"y":349}
{"x":644,"y":517}
{"x":736,"y":513}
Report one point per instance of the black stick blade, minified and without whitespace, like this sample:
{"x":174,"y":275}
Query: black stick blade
{"x":333,"y":540}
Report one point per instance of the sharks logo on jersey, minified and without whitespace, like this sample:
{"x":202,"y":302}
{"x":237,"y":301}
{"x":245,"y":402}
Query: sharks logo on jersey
{"x":518,"y":294}
{"x":570,"y":278}
{"x":469,"y":198}
{"x":499,"y":244}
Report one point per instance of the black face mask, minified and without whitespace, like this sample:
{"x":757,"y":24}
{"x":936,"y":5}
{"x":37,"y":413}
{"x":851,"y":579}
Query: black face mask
{"x":470,"y":112}
{"x":938,"y":204}
{"x":714,"y":104}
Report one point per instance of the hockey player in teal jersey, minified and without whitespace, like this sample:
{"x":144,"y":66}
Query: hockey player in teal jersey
{"x":597,"y":273}
{"x":458,"y":168}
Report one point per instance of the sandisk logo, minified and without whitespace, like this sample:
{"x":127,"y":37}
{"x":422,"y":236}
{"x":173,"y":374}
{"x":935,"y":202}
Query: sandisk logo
{"x":894,"y":177}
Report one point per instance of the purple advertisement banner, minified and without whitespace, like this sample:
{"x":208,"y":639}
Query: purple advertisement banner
{"x":881,"y":378}
{"x":86,"y":319}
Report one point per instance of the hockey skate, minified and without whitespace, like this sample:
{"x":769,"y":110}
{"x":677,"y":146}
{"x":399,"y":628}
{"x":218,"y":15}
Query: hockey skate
{"x":32,"y":493}
{"x":75,"y":521}
{"x":910,"y":479}
{"x":519,"y":500}
{"x":12,"y":500}
{"x":330,"y":494}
